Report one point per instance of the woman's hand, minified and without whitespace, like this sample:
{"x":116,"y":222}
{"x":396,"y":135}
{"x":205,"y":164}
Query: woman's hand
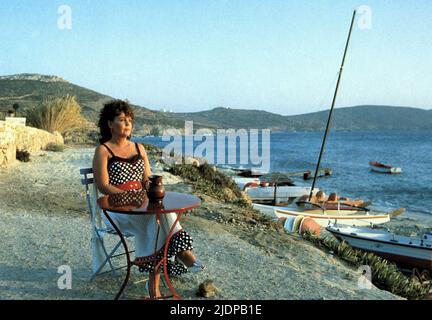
{"x":146,"y":185}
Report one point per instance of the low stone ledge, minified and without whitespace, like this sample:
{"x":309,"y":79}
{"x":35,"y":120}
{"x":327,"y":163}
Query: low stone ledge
{"x":19,"y":137}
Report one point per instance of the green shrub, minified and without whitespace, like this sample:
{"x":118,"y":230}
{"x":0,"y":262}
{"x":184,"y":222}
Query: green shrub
{"x":56,"y":147}
{"x":211,"y":182}
{"x":23,"y":155}
{"x":56,"y":114}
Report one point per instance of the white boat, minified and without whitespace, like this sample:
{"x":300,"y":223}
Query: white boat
{"x":337,"y":210}
{"x":283,"y":193}
{"x":383,"y":168}
{"x":324,"y":219}
{"x":407,"y":252}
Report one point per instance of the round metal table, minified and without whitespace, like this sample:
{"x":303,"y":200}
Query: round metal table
{"x":137,"y":203}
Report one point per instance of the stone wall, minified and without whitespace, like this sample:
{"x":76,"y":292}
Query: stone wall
{"x":19,"y":137}
{"x":7,"y":143}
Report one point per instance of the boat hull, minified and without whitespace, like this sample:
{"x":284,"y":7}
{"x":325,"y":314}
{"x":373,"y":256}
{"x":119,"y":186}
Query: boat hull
{"x":382,"y":168}
{"x":283,"y":193}
{"x":386,"y":170}
{"x":395,"y":248}
{"x":269,"y":210}
{"x":326,"y":219}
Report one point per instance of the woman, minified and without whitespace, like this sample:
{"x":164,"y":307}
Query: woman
{"x":118,"y":162}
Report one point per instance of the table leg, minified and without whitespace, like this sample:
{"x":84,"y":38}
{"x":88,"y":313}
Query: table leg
{"x":129,"y":262}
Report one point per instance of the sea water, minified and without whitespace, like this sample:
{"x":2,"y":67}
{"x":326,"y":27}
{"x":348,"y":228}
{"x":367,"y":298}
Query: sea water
{"x":348,"y":154}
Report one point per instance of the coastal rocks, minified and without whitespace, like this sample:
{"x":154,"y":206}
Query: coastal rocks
{"x":207,"y":289}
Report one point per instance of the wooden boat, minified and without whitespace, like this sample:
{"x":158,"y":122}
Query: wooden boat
{"x":333,"y":208}
{"x":325,"y":218}
{"x":284,"y":194}
{"x":407,"y":252}
{"x":383,"y":168}
{"x":269,"y":209}
{"x":334,"y":203}
{"x":336,"y":207}
{"x":248,"y":173}
{"x":243,"y":182}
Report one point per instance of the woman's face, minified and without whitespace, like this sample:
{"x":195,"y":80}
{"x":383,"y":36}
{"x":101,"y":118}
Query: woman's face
{"x":121,"y":125}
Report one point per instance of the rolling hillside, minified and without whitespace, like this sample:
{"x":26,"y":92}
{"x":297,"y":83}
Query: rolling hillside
{"x":29,"y":89}
{"x":352,"y":118}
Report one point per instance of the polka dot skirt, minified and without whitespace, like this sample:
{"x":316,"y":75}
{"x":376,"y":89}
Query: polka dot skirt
{"x":180,"y":242}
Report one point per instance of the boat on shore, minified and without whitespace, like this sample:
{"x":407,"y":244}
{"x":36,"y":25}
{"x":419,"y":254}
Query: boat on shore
{"x":264,"y":193}
{"x":383,"y":168}
{"x":407,"y":252}
{"x":330,"y":207}
{"x":333,"y":203}
{"x":324,"y":218}
{"x":243,"y":182}
{"x":355,"y":219}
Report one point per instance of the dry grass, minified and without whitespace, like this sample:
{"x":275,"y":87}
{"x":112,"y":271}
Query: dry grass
{"x":56,"y":114}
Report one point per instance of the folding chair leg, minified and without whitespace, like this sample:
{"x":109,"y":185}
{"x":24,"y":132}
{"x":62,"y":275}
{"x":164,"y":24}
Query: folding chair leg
{"x":107,"y":260}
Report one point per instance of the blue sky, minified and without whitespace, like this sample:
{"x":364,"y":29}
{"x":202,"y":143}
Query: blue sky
{"x":279,"y":56}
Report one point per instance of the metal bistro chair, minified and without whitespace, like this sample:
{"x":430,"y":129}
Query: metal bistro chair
{"x":100,"y":255}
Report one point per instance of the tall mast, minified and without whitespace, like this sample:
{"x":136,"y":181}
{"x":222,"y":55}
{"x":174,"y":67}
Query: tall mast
{"x":332,"y":107}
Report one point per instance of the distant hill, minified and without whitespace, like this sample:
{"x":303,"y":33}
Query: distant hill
{"x":237,"y":118}
{"x":348,"y":118}
{"x":29,"y":89}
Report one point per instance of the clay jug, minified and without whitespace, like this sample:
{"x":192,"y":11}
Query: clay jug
{"x":156,"y":189}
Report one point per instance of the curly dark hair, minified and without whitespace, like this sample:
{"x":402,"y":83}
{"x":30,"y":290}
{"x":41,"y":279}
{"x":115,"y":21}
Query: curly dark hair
{"x":111,"y":110}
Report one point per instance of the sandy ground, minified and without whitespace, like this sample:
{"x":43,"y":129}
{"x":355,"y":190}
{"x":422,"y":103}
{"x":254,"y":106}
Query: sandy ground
{"x":45,"y":225}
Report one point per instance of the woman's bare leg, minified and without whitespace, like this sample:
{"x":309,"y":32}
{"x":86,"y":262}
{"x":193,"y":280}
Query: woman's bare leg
{"x":154,"y":282}
{"x":187,"y":257}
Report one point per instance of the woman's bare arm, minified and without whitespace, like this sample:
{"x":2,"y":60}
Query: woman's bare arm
{"x":148,"y":171}
{"x":100,"y":172}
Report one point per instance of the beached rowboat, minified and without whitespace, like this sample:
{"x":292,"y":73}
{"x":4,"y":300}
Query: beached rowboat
{"x":338,"y":209}
{"x":283,"y":193}
{"x":347,"y":219}
{"x":324,"y":219}
{"x":407,"y":252}
{"x":383,"y":168}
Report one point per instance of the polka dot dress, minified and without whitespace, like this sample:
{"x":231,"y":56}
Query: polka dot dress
{"x":122,"y":170}
{"x":180,"y":242}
